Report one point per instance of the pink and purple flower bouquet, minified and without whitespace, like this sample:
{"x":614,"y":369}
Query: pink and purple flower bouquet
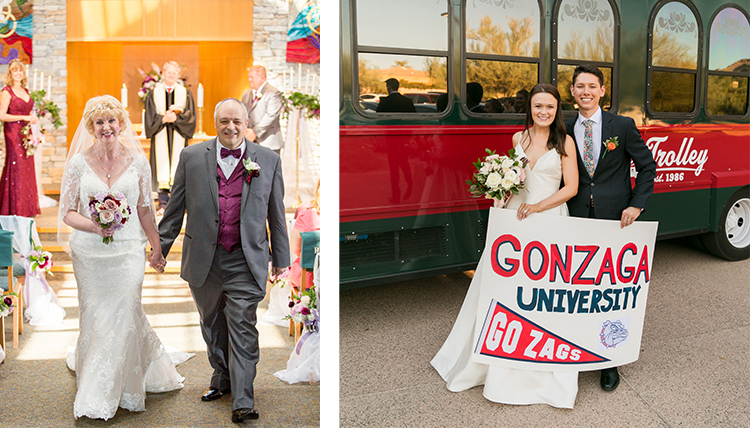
{"x":109,"y":211}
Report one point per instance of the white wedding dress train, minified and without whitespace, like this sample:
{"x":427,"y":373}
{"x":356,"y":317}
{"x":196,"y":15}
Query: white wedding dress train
{"x":118,"y":357}
{"x":501,"y":384}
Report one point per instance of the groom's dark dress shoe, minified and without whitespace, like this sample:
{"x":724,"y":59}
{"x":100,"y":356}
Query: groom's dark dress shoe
{"x":240,"y":415}
{"x":212,"y":394}
{"x":610,"y":379}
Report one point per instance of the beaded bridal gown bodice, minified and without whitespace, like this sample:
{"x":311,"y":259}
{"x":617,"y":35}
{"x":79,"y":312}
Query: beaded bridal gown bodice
{"x":118,"y":356}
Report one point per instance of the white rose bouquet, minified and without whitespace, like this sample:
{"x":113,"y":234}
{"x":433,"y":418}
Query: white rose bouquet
{"x":498,"y":177}
{"x":109,"y":211}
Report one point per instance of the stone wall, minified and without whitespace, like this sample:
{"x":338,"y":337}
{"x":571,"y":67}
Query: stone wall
{"x":50,"y":57}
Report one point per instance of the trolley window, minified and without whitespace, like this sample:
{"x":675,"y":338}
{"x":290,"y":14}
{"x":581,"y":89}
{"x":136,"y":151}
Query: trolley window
{"x":728,"y":63}
{"x":503,"y":45}
{"x":674,"y":57}
{"x":585,"y":32}
{"x":413,"y":59}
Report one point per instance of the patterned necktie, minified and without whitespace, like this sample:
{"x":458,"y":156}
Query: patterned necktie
{"x":588,"y":146}
{"x":226,"y":152}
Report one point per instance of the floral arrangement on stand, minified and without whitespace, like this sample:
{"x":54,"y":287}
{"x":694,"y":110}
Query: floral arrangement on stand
{"x":40,"y":261}
{"x":6,"y":305}
{"x":304,"y":309}
{"x":299,"y":100}
{"x":154,"y":76}
{"x":43,"y":108}
{"x":498,"y":177}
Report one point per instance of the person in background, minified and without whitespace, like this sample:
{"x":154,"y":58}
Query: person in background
{"x":308,"y":220}
{"x":170,"y":123}
{"x":18,"y":190}
{"x":474,"y":94}
{"x":263,"y":103}
{"x":395,"y":102}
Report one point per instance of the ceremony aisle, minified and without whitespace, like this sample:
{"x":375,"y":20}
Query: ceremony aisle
{"x":38,"y":390}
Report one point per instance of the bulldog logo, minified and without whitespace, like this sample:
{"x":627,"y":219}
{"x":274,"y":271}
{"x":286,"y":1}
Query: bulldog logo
{"x":613,"y":333}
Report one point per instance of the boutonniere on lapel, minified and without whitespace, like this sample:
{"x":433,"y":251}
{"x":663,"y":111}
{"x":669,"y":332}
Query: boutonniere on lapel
{"x":609,"y":145}
{"x":258,"y":95}
{"x":252,"y":169}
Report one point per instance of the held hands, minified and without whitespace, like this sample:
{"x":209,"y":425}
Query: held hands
{"x":33,"y":118}
{"x":157,"y":261}
{"x":169,"y":117}
{"x":276,"y":271}
{"x":104,"y":233}
{"x":628,"y":216}
{"x":525,"y":209}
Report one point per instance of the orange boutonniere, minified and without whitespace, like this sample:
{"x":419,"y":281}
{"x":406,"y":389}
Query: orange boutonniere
{"x":609,"y":145}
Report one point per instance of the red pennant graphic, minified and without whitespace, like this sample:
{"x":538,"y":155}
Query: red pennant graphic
{"x":508,"y":335}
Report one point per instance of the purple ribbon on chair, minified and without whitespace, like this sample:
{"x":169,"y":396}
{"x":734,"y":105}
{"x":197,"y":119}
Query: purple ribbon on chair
{"x":314,"y":323}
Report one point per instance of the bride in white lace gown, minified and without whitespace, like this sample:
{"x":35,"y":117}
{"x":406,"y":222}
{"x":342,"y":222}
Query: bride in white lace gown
{"x":552,"y":158}
{"x":118,"y":356}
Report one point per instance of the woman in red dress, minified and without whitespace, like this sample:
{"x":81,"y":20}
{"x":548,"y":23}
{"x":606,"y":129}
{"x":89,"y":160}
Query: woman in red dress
{"x":18,"y":191}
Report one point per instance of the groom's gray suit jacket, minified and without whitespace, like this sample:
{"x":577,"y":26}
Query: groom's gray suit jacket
{"x":196,"y":192}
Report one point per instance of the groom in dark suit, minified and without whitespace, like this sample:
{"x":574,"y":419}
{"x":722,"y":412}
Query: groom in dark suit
{"x":226,"y":248}
{"x":604,"y":189}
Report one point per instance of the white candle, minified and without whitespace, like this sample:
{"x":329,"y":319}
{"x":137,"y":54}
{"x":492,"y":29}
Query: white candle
{"x":312,"y":89}
{"x":124,"y":96}
{"x":200,"y":95}
{"x":35,"y":75}
{"x":307,"y":80}
{"x":49,"y":87}
{"x":291,"y":79}
{"x":299,"y":77}
{"x":41,"y":83}
{"x":283,"y":81}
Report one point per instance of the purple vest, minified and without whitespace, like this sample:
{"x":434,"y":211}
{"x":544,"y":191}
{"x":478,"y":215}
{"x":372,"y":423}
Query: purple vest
{"x":230,"y":198}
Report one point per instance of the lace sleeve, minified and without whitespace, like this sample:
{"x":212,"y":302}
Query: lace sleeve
{"x":144,"y":184}
{"x":70,"y":194}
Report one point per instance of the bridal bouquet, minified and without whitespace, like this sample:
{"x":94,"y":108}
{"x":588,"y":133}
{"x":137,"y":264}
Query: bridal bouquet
{"x":31,"y":138}
{"x":304,"y":309}
{"x":109,"y":211}
{"x":497,"y":177}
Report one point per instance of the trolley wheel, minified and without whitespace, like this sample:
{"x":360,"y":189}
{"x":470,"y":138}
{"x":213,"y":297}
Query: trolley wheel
{"x":732,"y":240}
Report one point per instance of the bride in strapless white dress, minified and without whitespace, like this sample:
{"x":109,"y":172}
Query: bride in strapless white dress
{"x":552,"y":157}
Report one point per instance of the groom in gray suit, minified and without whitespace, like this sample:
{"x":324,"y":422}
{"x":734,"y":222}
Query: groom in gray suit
{"x":226,"y":248}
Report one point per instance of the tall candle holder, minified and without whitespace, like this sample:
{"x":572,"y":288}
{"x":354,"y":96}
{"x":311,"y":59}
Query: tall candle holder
{"x":200,"y":132}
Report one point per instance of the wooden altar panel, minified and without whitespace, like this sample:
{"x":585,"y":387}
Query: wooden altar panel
{"x":97,"y":68}
{"x":165,"y":20}
{"x":223,"y":70}
{"x":91,"y":72}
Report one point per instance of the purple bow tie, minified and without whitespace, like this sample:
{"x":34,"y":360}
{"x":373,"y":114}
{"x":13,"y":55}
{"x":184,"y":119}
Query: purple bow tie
{"x":226,"y":152}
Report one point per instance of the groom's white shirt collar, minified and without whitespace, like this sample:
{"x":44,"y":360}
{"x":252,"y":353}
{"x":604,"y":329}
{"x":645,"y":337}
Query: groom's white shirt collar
{"x":229,"y":163}
{"x":596,"y":133}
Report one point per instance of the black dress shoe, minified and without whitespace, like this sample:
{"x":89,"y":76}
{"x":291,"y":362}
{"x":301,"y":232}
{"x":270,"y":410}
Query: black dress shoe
{"x":240,"y":415}
{"x":212,"y":394}
{"x":610,"y":379}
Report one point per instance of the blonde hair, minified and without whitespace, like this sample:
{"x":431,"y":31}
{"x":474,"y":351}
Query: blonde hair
{"x":16,"y":63}
{"x":104,"y":105}
{"x":315,"y":202}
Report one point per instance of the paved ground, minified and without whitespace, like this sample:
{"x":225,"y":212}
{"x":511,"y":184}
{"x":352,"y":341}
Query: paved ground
{"x":693,"y":369}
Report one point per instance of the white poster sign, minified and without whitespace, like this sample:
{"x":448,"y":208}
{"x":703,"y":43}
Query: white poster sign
{"x":562,"y":293}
